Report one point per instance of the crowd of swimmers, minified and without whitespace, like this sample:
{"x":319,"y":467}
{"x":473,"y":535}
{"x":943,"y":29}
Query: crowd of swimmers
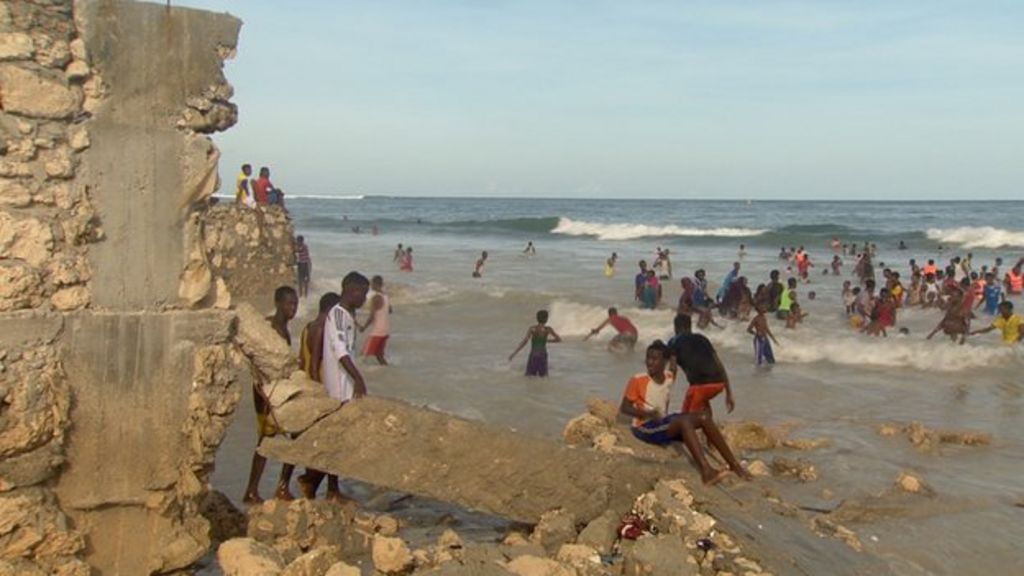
{"x":956,"y":290}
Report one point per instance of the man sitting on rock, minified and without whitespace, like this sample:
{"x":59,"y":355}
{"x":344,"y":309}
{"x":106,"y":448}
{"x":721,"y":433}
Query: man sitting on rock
{"x":647,"y":400}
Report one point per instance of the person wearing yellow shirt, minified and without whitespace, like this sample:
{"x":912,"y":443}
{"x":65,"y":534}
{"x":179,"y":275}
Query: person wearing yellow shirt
{"x":1011,"y":325}
{"x":243,"y":192}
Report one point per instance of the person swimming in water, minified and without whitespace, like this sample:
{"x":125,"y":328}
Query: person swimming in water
{"x":538,"y":336}
{"x":609,"y":265}
{"x":478,"y":270}
{"x":626,"y":333}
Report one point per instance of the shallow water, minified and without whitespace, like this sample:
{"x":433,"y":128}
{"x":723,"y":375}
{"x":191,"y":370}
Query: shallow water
{"x":452,"y":335}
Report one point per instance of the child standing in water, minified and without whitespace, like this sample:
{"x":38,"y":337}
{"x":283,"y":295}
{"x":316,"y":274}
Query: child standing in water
{"x":609,"y":265}
{"x":759,"y":328}
{"x":538,"y":336}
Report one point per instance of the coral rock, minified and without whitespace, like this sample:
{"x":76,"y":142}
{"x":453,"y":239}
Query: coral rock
{"x":391,"y":555}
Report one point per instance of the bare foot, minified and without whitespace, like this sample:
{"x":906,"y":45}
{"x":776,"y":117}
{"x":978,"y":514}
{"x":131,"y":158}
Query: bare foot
{"x":252,"y":498}
{"x":306,"y":488}
{"x":716,"y":477}
{"x":283,"y":493}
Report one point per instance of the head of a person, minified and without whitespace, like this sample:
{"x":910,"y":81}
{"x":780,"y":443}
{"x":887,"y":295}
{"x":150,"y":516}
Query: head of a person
{"x":870,"y":285}
{"x":643,"y":265}
{"x":743,"y":246}
{"x":247,"y":169}
{"x":264,"y":172}
{"x":286,"y":301}
{"x":484,"y":254}
{"x":856,"y":290}
{"x":542,"y":316}
{"x":999,"y":261}
{"x":1006,"y":308}
{"x":884,"y":294}
{"x":377,"y":282}
{"x":774,"y":275}
{"x":614,"y":255}
{"x":651,"y":274}
{"x":353,"y":290}
{"x":812,"y":295}
{"x":682,"y":324}
{"x":399,"y":245}
{"x":687,"y":284}
{"x":657,"y":356}
{"x":700,"y":274}
{"x":613,"y":312}
{"x":973,"y":276}
{"x":846,"y":284}
{"x":300,"y":239}
{"x":930,"y":278}
{"x":736,"y":266}
{"x":328,"y":301}
{"x":408,"y":250}
{"x":791,"y":283}
{"x":931,"y":262}
{"x":990,"y":278}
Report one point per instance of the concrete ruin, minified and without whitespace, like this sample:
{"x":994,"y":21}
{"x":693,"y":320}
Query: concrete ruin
{"x":116,"y":342}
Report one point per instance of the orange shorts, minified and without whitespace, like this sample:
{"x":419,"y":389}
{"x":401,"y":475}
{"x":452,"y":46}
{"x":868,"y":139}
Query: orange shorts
{"x":698,"y":396}
{"x":375,"y":345}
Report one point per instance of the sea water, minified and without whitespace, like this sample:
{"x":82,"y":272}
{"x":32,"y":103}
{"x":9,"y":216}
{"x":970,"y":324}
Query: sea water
{"x":452,"y":335}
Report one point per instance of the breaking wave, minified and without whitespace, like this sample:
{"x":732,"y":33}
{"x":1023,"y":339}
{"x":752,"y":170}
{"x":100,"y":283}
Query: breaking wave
{"x":977,"y":236}
{"x":629,"y":231}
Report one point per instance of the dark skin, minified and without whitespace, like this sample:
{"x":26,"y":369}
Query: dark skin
{"x":353,"y":296}
{"x":376,"y":304}
{"x":538,"y":329}
{"x":683,"y":427}
{"x":284,"y":311}
{"x":759,"y":326}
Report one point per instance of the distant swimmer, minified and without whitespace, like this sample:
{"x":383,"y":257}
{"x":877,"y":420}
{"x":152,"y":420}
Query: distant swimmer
{"x":1010,"y":325}
{"x":626,"y":333}
{"x":399,"y":252}
{"x":406,"y":263}
{"x":538,"y":336}
{"x":530,"y":249}
{"x":639,"y":281}
{"x":609,"y":265}
{"x":836,"y":244}
{"x":903,"y":245}
{"x":742,"y":252}
{"x":478,"y":271}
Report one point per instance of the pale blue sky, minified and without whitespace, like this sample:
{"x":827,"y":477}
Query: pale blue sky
{"x":714,"y":99}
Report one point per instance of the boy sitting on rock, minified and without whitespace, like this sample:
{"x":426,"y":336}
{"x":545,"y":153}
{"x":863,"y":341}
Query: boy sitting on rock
{"x":647,"y":399}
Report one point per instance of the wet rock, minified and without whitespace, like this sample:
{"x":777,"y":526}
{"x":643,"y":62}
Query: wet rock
{"x":293,"y":528}
{"x":584,"y":559}
{"x":556,"y":527}
{"x":247,"y":557}
{"x":316,"y":562}
{"x":534,"y":566}
{"x":798,"y":468}
{"x":827,"y":527}
{"x":607,"y":442}
{"x":662,"y":555}
{"x":583,"y":429}
{"x":758,"y":468}
{"x":226,"y":521}
{"x":38,"y":93}
{"x":391,"y":555}
{"x":601,"y":533}
{"x":749,"y":436}
{"x":913,"y":484}
{"x":806,"y":443}
{"x":342,"y":569}
{"x":606,"y":410}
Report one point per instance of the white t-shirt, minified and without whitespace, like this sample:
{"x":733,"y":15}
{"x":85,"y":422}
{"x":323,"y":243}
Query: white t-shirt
{"x":339,"y":342}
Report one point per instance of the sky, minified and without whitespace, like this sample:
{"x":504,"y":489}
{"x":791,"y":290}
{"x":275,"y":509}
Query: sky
{"x":620,"y":99}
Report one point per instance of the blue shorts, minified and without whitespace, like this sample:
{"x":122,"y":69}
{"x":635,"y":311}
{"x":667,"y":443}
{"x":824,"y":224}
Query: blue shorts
{"x":655,"y":431}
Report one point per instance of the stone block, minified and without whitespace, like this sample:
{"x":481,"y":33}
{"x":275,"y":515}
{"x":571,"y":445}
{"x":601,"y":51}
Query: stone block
{"x":38,"y":93}
{"x":247,"y":557}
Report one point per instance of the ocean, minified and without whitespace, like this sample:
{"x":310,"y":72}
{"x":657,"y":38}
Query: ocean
{"x":452,"y":335}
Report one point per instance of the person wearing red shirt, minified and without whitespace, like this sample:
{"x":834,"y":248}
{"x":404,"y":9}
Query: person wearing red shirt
{"x":263,"y":186}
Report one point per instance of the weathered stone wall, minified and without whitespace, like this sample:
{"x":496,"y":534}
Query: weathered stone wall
{"x":117,"y":349}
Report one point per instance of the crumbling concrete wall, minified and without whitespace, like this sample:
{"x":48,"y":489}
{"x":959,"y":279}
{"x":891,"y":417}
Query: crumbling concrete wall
{"x":116,"y":348}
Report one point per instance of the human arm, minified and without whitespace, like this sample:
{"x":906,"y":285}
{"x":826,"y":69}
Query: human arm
{"x":983,"y":330}
{"x":520,"y":347}
{"x":553,"y":336}
{"x":730,"y":402}
{"x":750,"y":327}
{"x":627,"y":407}
{"x":376,"y":304}
{"x":768,"y":331}
{"x":357,"y":377}
{"x":595,"y":331}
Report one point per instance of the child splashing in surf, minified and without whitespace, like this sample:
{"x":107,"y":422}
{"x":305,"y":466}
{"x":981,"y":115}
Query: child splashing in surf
{"x":538,"y":336}
{"x":647,"y":398}
{"x":759,"y":328}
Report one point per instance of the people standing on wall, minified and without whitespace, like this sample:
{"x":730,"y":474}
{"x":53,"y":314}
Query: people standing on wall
{"x":243,"y":187}
{"x":262,"y":187}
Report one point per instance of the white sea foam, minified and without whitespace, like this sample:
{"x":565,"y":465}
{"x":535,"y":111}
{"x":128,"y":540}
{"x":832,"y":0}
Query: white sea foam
{"x":977,"y":236}
{"x":629,"y":231}
{"x":428,"y":293}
